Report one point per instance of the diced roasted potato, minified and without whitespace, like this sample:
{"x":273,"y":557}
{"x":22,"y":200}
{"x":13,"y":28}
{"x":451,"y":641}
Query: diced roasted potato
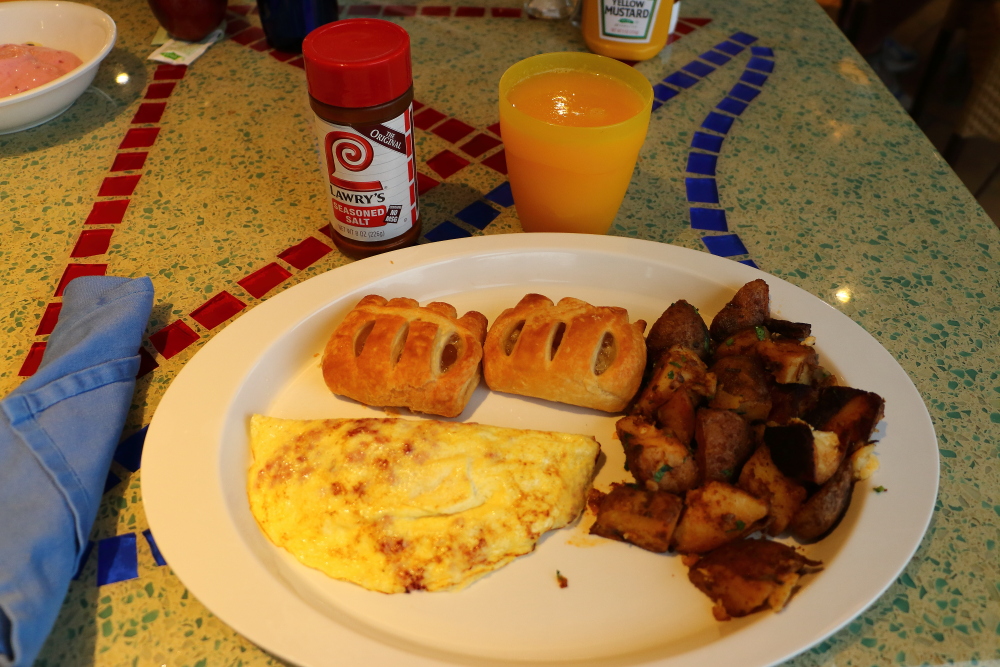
{"x":851,"y":413}
{"x":803,"y":453}
{"x":791,"y":401}
{"x":749,"y":575}
{"x":742,"y":343}
{"x":680,"y":367}
{"x":724,"y":444}
{"x":743,"y":385}
{"x":764,"y":480}
{"x":749,"y":307}
{"x":645,"y":518}
{"x":824,"y":509}
{"x":714,"y":514}
{"x":796,"y":330}
{"x":677,"y":415}
{"x":657,"y":459}
{"x":789,"y":360}
{"x":680,"y":324}
{"x":864,"y":463}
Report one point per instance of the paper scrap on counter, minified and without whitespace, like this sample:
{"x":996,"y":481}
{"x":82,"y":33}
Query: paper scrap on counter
{"x":177,"y":52}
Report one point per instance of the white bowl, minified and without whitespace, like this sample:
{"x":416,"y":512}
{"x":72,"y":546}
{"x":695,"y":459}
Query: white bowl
{"x":85,"y":31}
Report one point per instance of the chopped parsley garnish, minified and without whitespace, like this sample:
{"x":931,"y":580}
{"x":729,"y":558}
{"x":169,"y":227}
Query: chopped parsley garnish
{"x":880,"y":489}
{"x":727,"y":472}
{"x":675,"y":364}
{"x":563,"y":581}
{"x":729,"y":342}
{"x":670,"y":375}
{"x":740,"y":525}
{"x":660,"y":472}
{"x":761,"y":333}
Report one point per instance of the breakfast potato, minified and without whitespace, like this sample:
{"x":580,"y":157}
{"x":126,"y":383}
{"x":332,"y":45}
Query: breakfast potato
{"x":724,"y":444}
{"x":851,"y":413}
{"x":677,"y":415}
{"x":789,"y":360}
{"x":792,"y":401}
{"x":796,"y":330}
{"x":742,"y":343}
{"x":750,"y":307}
{"x":743,"y":385}
{"x":680,"y":367}
{"x":803,"y":453}
{"x":823,"y":511}
{"x":864,"y":463}
{"x":644,"y":518}
{"x":657,"y":459}
{"x":764,"y":480}
{"x":714,"y":514}
{"x":680,"y":324}
{"x":746,"y":576}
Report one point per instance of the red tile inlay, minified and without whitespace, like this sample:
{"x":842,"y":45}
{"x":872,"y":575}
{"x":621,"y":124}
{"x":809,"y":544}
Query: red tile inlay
{"x":217,"y":310}
{"x":305,"y":254}
{"x":159,"y":91}
{"x":173,"y":338}
{"x":166,"y":71}
{"x":447,"y":163}
{"x":261,"y":45}
{"x":479,"y":144}
{"x":235,"y":26}
{"x":149,"y":112}
{"x":506,"y":12}
{"x":33,"y":359}
{"x":672,"y":37}
{"x":425,"y":183}
{"x":92,"y":242}
{"x":494,"y":128}
{"x":248,"y":36}
{"x":298,"y":62}
{"x":49,"y":318}
{"x":263,"y":280}
{"x":400,"y":10}
{"x":700,"y":22}
{"x":240,"y":9}
{"x":127,"y":161}
{"x":326,"y":230}
{"x":683,"y":28}
{"x":78,"y":271}
{"x":140,"y":137}
{"x":417,"y":106}
{"x":119,"y":186}
{"x":254,"y":11}
{"x":453,"y":130}
{"x":427,"y":118}
{"x":497,"y":161}
{"x":283,"y":56}
{"x":147,"y":364}
{"x":107,"y":212}
{"x":470,"y":11}
{"x":435,"y":11}
{"x":364,"y":10}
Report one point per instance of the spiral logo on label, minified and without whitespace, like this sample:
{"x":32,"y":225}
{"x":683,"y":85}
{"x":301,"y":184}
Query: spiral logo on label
{"x":350,"y":151}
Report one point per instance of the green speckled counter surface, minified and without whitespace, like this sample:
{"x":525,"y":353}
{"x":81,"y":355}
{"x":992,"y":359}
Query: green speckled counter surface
{"x":822,"y":179}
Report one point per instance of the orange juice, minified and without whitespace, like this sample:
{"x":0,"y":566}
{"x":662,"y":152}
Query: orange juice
{"x":572,"y":125}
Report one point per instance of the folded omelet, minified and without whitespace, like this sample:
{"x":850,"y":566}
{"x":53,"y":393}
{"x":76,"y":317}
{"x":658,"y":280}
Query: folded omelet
{"x":397,"y":505}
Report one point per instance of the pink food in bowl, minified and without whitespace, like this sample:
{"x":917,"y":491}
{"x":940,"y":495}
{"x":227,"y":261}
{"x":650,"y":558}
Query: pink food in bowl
{"x":25,"y":66}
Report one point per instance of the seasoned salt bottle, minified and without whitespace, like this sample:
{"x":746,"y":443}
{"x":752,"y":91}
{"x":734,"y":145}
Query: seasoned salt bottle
{"x":361,"y":93}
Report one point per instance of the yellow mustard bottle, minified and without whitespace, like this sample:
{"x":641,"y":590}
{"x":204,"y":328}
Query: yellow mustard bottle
{"x":626,"y":29}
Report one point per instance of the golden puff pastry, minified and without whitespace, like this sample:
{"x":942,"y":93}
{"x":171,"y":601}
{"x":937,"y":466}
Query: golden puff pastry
{"x":396,"y":353}
{"x":571,"y":352}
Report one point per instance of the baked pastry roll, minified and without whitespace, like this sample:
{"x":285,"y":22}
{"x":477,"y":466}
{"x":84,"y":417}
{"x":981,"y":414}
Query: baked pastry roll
{"x":396,"y":353}
{"x":571,"y":352}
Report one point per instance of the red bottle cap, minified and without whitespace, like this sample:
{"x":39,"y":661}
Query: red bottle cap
{"x":357,"y":63}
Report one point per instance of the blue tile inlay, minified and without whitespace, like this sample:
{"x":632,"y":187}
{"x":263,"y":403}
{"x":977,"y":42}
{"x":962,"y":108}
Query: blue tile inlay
{"x":729,"y":105}
{"x":743,"y":38}
{"x":706,"y":142}
{"x":717,"y":122}
{"x":129,"y":452}
{"x":761,"y":64}
{"x":157,"y":556}
{"x":698,"y":68}
{"x":711,"y":219}
{"x":756,"y":78}
{"x":749,"y":262}
{"x":656,"y":105}
{"x":83,"y":559}
{"x":111,"y":481}
{"x":664,"y":93}
{"x":743,"y":92}
{"x":728,"y":47}
{"x":445,"y":232}
{"x":501,"y":194}
{"x":762,"y":51}
{"x":478,"y":214}
{"x":715,"y":58}
{"x":702,"y":190}
{"x":681,"y":79}
{"x":117,"y":559}
{"x":702,"y":163}
{"x":725,"y":246}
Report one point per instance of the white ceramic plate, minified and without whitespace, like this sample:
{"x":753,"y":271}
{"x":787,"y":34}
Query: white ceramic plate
{"x":623,"y":605}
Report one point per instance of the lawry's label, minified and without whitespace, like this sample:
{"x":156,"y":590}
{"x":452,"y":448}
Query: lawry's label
{"x":372,"y":172}
{"x":628,"y":20}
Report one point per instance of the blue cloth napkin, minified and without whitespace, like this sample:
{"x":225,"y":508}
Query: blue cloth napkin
{"x":58,"y":432}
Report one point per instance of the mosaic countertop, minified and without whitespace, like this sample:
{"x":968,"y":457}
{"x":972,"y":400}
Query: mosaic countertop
{"x":772,"y":143}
